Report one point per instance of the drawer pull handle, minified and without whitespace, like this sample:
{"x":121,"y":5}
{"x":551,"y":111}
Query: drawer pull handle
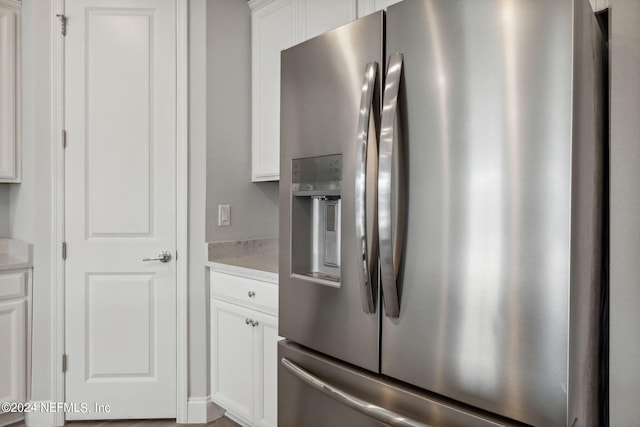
{"x":251,"y":294}
{"x":251,"y":322}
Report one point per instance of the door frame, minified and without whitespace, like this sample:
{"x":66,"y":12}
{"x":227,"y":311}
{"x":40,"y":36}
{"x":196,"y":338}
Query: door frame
{"x":58,"y":208}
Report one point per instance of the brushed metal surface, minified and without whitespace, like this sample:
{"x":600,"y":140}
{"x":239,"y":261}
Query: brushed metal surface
{"x":484,"y":285}
{"x":376,"y":412}
{"x":589,"y":133}
{"x":390,"y":214}
{"x":365,"y":243}
{"x":300,"y":404}
{"x":320,"y":101}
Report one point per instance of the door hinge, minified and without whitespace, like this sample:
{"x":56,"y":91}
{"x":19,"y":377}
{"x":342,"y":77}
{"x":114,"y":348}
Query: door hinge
{"x":63,"y":23}
{"x":64,"y":363}
{"x":64,"y":138}
{"x":64,"y":250}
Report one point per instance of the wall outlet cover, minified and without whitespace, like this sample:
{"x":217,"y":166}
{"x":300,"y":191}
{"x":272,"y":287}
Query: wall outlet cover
{"x":224,"y":215}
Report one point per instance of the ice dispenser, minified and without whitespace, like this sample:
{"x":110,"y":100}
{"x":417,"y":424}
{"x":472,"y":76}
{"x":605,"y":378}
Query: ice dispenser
{"x":316,"y":187}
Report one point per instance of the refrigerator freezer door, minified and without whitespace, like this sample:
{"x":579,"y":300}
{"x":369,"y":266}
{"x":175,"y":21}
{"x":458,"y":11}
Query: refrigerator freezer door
{"x":486,"y":112}
{"x":314,"y":390}
{"x":322,"y":88}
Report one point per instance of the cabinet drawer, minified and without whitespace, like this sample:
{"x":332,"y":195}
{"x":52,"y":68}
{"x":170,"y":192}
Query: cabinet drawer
{"x":248,"y":292}
{"x":13,"y":285}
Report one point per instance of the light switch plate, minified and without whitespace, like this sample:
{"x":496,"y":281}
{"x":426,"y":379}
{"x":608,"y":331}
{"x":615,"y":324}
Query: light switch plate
{"x":224,"y":215}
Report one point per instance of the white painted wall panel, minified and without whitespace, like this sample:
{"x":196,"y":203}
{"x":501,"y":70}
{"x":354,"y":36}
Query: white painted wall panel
{"x":134,"y":327}
{"x":120,"y":125}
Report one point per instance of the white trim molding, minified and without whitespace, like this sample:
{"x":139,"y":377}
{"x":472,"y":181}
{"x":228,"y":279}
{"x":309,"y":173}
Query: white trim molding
{"x":202,"y":410}
{"x":42,"y":418}
{"x":182,"y":208}
{"x":57,"y":221}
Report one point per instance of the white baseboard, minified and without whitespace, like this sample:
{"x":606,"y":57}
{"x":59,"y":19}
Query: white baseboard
{"x":41,"y":418}
{"x":201,"y":410}
{"x":237,"y":420}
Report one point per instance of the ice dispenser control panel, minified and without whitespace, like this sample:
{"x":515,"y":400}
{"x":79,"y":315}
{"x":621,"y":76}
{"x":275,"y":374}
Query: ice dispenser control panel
{"x":316,"y":188}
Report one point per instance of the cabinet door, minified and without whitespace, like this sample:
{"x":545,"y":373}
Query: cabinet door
{"x":366,"y":7}
{"x":232,"y":358}
{"x":266,"y":370}
{"x":318,"y":16}
{"x":13,"y":354}
{"x":9,"y":95}
{"x":272,"y":31}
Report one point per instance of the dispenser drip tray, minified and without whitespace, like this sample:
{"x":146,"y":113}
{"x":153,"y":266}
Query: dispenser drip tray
{"x":321,"y":278}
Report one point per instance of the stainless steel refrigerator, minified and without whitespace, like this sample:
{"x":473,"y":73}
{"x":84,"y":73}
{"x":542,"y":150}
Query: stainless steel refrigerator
{"x":441,"y":198}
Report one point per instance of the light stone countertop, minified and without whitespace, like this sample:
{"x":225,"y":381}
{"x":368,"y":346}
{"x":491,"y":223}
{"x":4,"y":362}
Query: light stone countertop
{"x":15,"y":254}
{"x":255,"y":259}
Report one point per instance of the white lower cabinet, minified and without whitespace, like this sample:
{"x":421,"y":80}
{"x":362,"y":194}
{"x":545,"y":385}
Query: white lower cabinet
{"x":244,"y":337}
{"x":13,"y":355}
{"x":14,"y":340}
{"x":265,"y":406}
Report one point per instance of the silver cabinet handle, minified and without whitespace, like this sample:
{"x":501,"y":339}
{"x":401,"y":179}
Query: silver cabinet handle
{"x":248,"y":321}
{"x":251,"y":294}
{"x":390,"y":245}
{"x":365,"y":252}
{"x":381,"y":414}
{"x":255,"y":323}
{"x":162,"y":257}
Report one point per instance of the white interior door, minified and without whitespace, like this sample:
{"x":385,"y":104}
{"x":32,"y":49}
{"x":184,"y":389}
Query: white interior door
{"x":120,"y":191}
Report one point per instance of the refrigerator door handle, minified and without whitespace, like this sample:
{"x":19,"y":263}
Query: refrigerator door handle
{"x":390,"y":227}
{"x":363,"y":146}
{"x":381,"y":414}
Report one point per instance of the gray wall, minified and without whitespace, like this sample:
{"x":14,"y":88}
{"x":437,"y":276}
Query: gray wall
{"x":4,"y":210}
{"x":254,"y":206}
{"x":30,"y":201}
{"x":625,"y":212}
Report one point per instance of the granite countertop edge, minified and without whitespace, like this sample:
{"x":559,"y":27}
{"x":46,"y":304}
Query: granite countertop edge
{"x":250,"y":273}
{"x":251,"y":258}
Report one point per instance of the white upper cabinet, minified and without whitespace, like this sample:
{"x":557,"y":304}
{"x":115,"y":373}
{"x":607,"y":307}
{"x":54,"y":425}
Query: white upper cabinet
{"x":318,"y":16}
{"x":273,"y":29}
{"x":10,"y":163}
{"x":365,"y":7}
{"x":278,"y":25}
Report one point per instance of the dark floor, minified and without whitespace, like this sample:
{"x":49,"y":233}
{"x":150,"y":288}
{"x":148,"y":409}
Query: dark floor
{"x":221,"y":422}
